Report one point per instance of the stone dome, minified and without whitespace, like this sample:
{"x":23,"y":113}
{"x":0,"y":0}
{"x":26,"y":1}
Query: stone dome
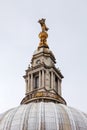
{"x":43,"y":116}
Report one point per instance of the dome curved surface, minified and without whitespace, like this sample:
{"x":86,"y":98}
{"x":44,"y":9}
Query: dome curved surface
{"x":43,"y":116}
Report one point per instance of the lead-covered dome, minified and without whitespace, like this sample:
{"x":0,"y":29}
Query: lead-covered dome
{"x":43,"y":116}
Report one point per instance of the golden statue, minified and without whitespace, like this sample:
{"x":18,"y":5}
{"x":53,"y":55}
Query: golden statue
{"x":43,"y":35}
{"x":43,"y":25}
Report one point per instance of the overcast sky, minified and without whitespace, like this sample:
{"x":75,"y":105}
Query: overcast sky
{"x":67,"y":23}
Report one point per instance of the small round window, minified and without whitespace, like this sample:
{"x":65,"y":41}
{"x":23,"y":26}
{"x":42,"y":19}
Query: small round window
{"x":38,"y":62}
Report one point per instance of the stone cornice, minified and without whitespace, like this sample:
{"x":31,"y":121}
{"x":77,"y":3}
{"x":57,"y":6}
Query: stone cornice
{"x":45,"y":66}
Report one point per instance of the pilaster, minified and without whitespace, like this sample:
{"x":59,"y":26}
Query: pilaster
{"x":43,"y":81}
{"x":52,"y":82}
{"x":31,"y":81}
{"x":40,"y":79}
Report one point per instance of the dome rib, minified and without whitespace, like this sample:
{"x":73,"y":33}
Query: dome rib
{"x":56,"y":117}
{"x":65,"y":122}
{"x":42,"y":116}
{"x":7,"y":118}
{"x":79,"y":119}
{"x":69,"y":120}
{"x":25,"y":126}
{"x":50,"y":121}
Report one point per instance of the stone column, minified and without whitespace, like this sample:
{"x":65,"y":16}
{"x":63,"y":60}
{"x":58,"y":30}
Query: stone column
{"x":26,"y":85}
{"x":28,"y":82}
{"x":43,"y":80}
{"x":52,"y":81}
{"x":31,"y":82}
{"x":40,"y":79}
{"x":59,"y":87}
{"x":57,"y":84}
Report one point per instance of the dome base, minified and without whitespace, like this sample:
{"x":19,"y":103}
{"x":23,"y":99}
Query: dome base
{"x":46,"y":95}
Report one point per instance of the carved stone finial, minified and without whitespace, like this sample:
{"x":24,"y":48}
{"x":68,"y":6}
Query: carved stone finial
{"x":43,"y":25}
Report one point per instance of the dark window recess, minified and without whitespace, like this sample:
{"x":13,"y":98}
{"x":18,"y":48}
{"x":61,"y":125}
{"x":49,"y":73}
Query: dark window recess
{"x":56,"y":84}
{"x":36,"y":82}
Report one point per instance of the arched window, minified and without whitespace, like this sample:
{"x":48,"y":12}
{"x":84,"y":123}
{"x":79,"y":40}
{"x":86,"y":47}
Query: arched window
{"x":36,"y":82}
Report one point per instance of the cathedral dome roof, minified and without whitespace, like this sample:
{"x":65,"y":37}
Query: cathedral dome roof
{"x":43,"y":116}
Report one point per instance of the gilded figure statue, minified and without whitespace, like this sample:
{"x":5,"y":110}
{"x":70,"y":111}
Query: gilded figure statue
{"x":43,"y":25}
